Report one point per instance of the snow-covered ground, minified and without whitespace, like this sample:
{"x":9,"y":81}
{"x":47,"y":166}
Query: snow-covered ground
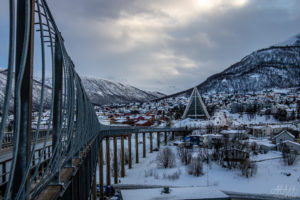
{"x":271,"y":176}
{"x":257,"y":119}
{"x":224,"y":118}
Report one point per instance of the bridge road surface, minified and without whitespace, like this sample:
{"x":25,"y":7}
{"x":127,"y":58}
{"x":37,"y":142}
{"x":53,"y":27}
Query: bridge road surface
{"x":6,"y":154}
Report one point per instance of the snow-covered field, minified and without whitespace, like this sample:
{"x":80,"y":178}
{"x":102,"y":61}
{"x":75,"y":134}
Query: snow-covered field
{"x":257,"y":119}
{"x":271,"y":176}
{"x":224,"y":118}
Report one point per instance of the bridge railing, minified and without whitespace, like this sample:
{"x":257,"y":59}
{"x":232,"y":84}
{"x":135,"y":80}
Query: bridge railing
{"x":71,"y":115}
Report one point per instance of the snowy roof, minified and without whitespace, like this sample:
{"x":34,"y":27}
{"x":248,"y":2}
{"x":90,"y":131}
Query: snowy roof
{"x":142,"y":122}
{"x":280,"y":126}
{"x":175,"y":194}
{"x":215,"y":135}
{"x":257,"y":127}
{"x":121,"y":120}
{"x":232,"y":131}
{"x":291,"y":142}
{"x":266,"y":144}
{"x":283,"y":133}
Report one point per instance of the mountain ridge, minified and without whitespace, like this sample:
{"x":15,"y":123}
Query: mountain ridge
{"x":100,"y":92}
{"x":272,"y":67}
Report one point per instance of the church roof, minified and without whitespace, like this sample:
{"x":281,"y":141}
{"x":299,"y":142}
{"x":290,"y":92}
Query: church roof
{"x":195,"y":108}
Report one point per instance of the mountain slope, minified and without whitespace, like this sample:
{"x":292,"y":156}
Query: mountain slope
{"x":101,"y":91}
{"x":275,"y":67}
{"x":36,"y":94}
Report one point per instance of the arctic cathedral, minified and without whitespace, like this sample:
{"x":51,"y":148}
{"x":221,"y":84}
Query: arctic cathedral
{"x":195,"y":108}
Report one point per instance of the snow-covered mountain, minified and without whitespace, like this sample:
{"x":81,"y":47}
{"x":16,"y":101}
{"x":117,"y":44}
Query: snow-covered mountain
{"x":101,"y":91}
{"x":36,"y":94}
{"x":275,"y":67}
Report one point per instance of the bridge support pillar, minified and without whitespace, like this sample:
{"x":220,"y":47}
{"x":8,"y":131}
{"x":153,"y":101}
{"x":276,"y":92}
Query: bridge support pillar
{"x":151,"y":142}
{"x":107,"y":161}
{"x":173,"y":135}
{"x":101,"y":170}
{"x":166,"y":137}
{"x":137,"y":148}
{"x":122,"y":157}
{"x":129,"y":152}
{"x":115,"y":161}
{"x":158,"y":140}
{"x":144,"y":145}
{"x":94,"y":194}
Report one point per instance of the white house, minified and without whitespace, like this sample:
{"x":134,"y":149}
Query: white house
{"x":283,"y":136}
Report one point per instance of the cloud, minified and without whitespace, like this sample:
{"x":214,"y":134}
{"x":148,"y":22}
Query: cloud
{"x":166,"y":45}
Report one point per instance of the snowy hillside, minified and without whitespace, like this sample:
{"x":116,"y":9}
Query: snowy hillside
{"x":103,"y":91}
{"x":293,"y":41}
{"x":273,"y":67}
{"x":36,"y":94}
{"x":277,"y":66}
{"x":100,"y":91}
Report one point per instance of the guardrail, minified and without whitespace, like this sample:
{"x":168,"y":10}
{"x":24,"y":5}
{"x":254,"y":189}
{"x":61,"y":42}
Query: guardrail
{"x":6,"y":159}
{"x":7,"y":139}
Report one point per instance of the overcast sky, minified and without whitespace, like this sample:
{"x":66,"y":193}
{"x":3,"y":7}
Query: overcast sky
{"x":165,"y":45}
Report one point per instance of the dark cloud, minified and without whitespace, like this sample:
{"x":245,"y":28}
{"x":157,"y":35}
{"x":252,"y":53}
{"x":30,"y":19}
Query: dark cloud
{"x":168,"y":45}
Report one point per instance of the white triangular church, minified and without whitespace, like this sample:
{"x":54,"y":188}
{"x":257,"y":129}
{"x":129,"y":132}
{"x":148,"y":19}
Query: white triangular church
{"x":195,"y":108}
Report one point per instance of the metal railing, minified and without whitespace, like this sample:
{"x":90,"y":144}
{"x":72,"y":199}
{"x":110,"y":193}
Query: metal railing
{"x":70,"y":107}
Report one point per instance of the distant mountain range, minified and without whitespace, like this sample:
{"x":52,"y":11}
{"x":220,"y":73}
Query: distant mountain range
{"x":100,"y":92}
{"x":277,"y":66}
{"x":36,"y":94}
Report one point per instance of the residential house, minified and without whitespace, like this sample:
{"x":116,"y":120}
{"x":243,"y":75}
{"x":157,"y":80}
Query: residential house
{"x":283,"y":136}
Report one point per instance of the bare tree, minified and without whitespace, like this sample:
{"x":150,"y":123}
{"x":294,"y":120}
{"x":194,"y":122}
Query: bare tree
{"x":126,"y":156}
{"x":166,"y":158}
{"x":288,"y":155}
{"x":248,"y":168}
{"x":195,"y":167}
{"x":254,"y":147}
{"x":209,"y":128}
{"x":185,"y":155}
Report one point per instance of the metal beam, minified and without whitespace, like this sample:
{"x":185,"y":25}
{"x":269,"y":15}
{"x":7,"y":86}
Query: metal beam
{"x":101,"y":170}
{"x":24,"y":143}
{"x":94,"y":192}
{"x":151,"y":142}
{"x":144,"y":145}
{"x":129,"y":152}
{"x":57,"y":111}
{"x":158,"y":140}
{"x":122,"y":157}
{"x":166,"y":137}
{"x":136,"y":148}
{"x":107,"y":161}
{"x":115,"y":161}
